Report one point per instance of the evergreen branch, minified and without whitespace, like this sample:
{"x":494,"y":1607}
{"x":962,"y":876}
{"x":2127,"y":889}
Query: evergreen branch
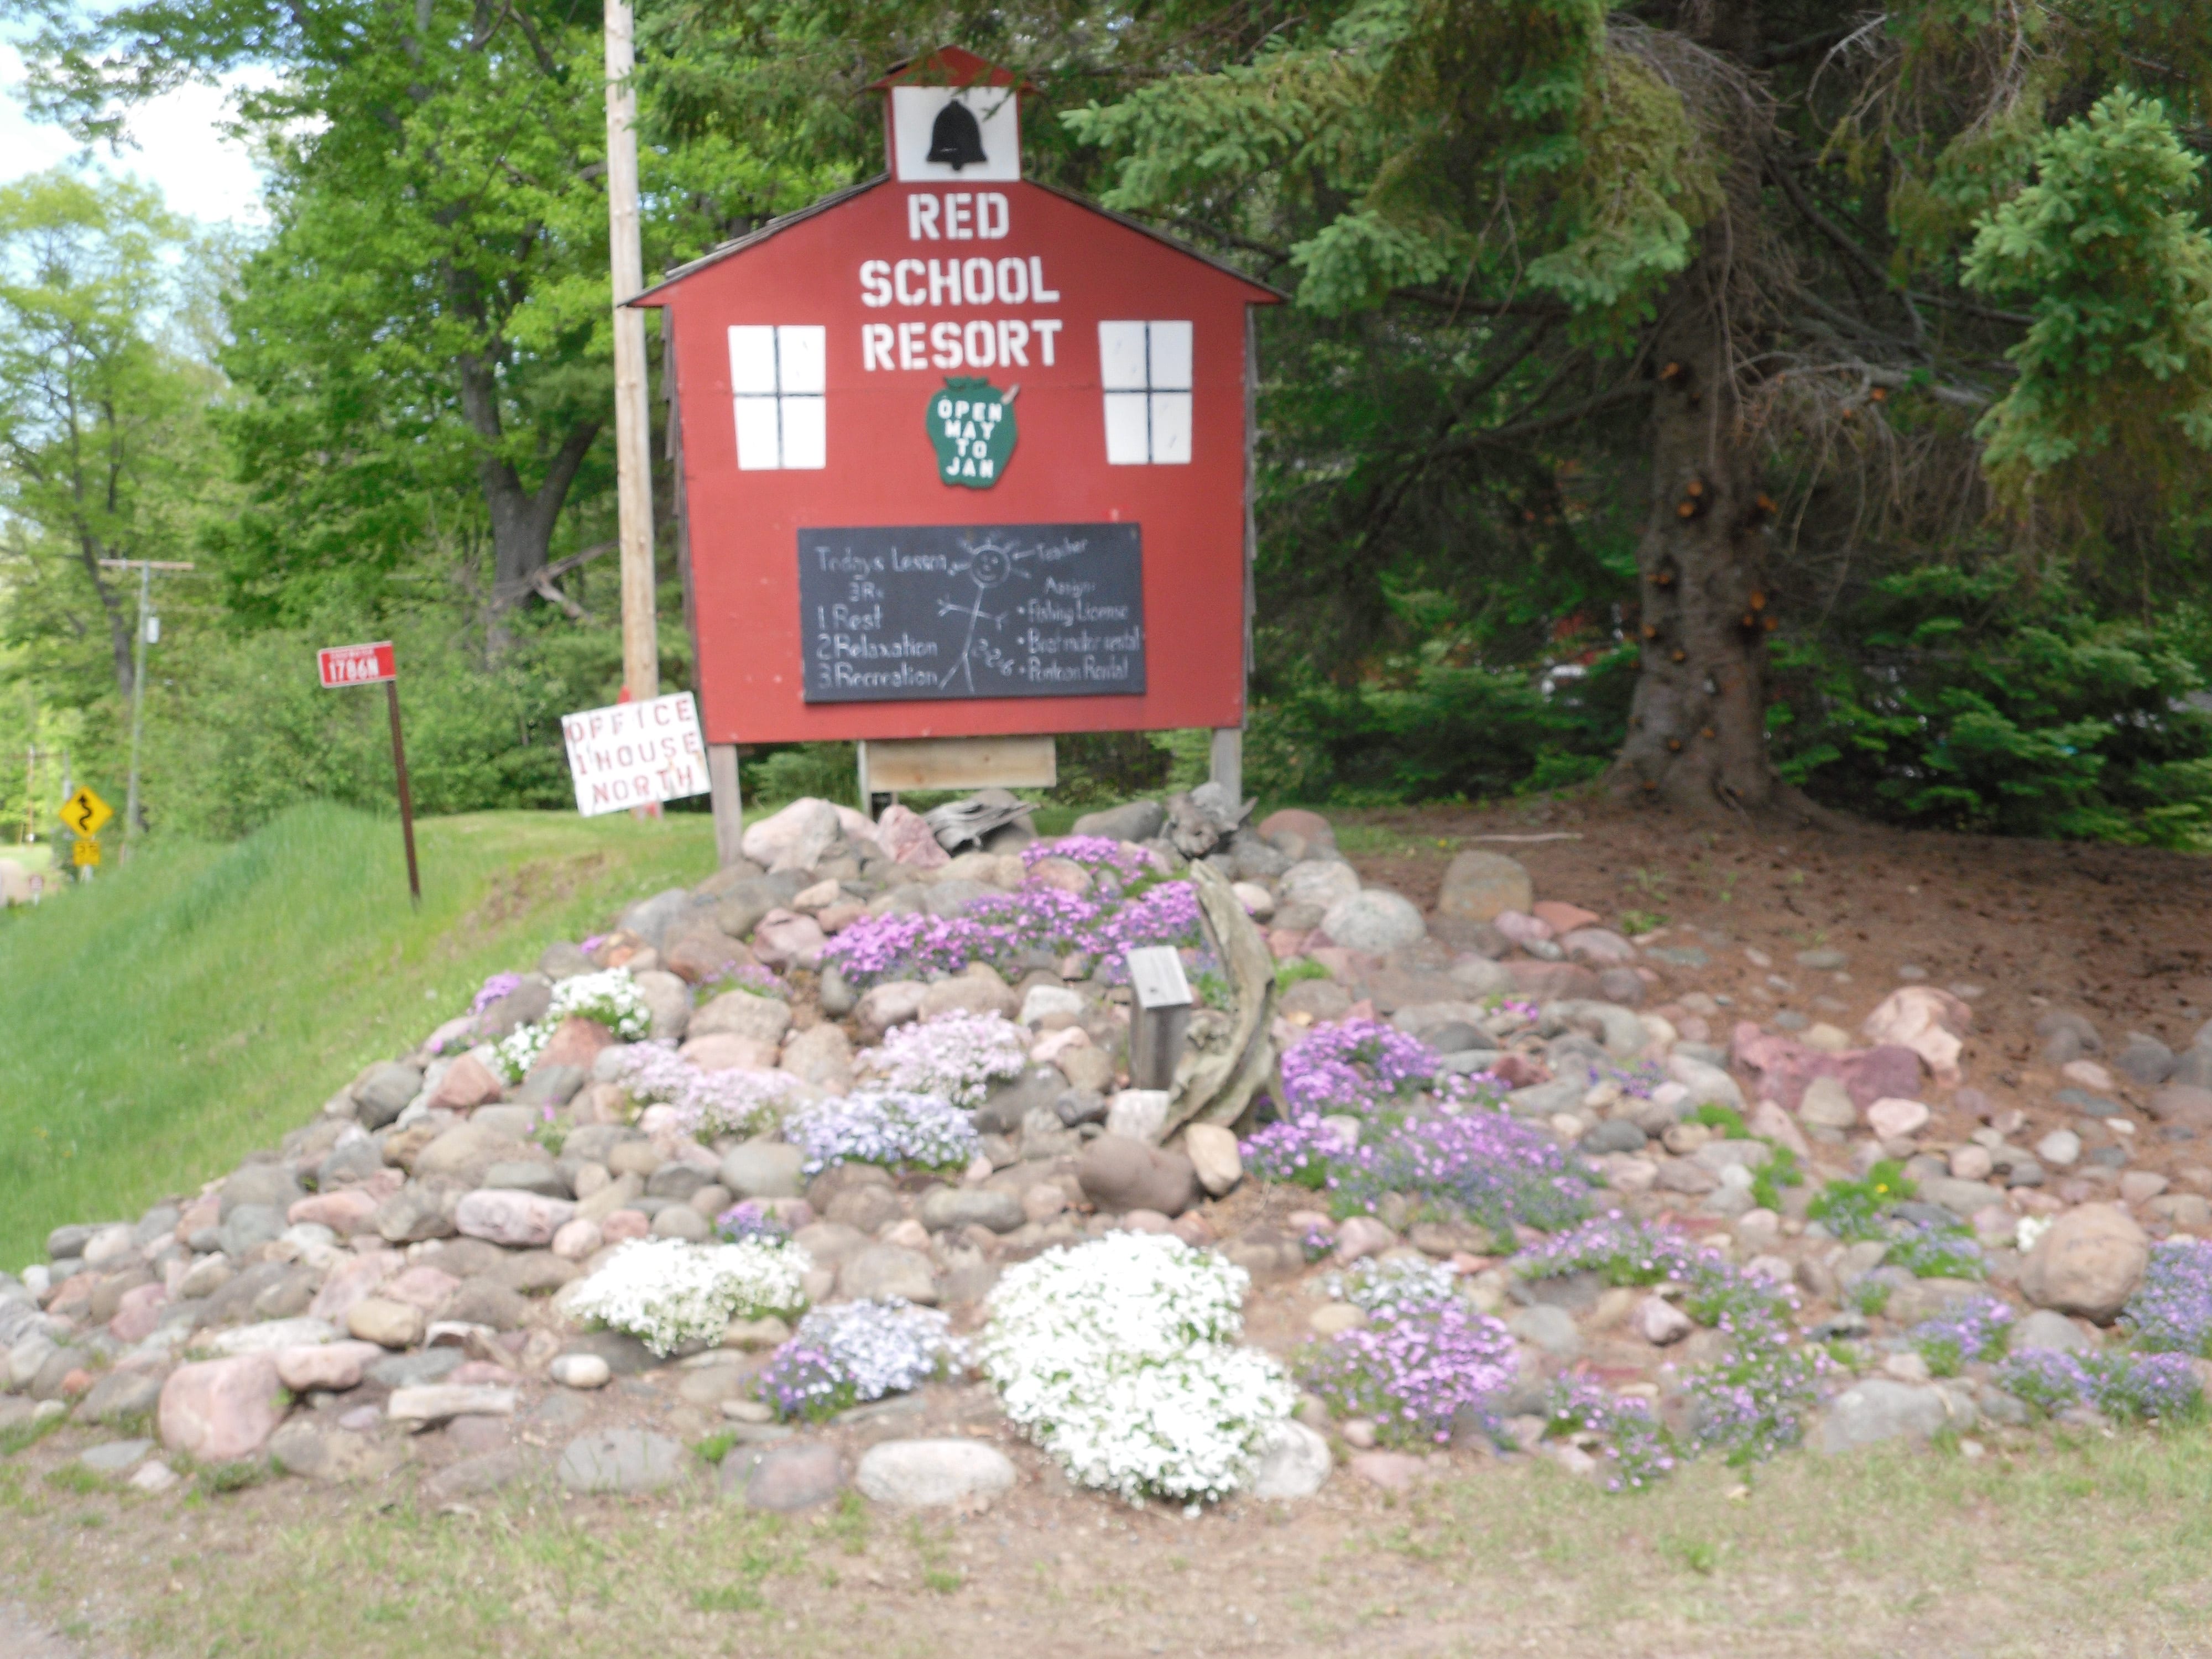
{"x":1513,"y":431}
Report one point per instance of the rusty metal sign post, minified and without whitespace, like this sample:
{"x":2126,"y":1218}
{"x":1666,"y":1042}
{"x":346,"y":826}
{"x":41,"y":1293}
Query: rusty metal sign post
{"x":343,"y":665}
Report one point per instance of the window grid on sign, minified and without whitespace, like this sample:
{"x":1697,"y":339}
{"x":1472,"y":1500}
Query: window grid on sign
{"x":777,"y":379}
{"x":1143,"y":370}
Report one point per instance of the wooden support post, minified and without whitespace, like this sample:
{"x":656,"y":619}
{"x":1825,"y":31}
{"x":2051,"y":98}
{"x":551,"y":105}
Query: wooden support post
{"x":728,"y":803}
{"x":861,"y":759}
{"x":406,"y":794}
{"x":1226,"y":762}
{"x":1162,"y":1016}
{"x":633,"y":419}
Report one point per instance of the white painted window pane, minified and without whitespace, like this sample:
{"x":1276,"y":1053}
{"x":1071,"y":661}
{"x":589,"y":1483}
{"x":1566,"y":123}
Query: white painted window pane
{"x":801,"y":352}
{"x":1121,"y":357}
{"x":1171,"y":428}
{"x":1170,"y":357}
{"x":1125,"y":438}
{"x":756,"y":443}
{"x":752,"y":361}
{"x":806,"y":441}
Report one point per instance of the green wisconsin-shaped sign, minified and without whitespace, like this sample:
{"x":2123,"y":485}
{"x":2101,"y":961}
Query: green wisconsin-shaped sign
{"x":971,"y":425}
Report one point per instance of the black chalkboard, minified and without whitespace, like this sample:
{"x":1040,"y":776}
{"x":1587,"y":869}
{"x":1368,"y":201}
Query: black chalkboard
{"x":917,"y":612}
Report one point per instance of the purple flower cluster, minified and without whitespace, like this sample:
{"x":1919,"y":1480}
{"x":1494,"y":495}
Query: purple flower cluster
{"x":1978,"y":1328}
{"x":855,"y":1352}
{"x":1107,"y":860}
{"x":1750,"y":1405}
{"x":593,"y":943}
{"x":1003,"y":929}
{"x":707,"y":1104}
{"x":746,"y":1219}
{"x":498,"y":985}
{"x":1493,"y":1170}
{"x":2171,"y":1311}
{"x":1635,"y":1445}
{"x":1414,"y":1367}
{"x":1354,"y":1065}
{"x":2121,"y":1385}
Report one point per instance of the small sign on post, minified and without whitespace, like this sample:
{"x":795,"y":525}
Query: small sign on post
{"x":634,"y":754}
{"x":85,"y":855}
{"x":342,"y":666}
{"x":1162,"y":996}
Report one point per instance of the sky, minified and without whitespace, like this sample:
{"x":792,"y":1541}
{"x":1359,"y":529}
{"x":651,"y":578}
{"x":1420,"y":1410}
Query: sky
{"x":198,"y":171}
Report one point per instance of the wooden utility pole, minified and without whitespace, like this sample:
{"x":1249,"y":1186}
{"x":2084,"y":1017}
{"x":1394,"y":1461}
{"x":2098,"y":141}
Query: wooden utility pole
{"x":632,"y":442}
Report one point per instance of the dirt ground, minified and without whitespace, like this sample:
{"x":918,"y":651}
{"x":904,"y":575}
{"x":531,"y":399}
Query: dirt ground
{"x":2028,"y":1543}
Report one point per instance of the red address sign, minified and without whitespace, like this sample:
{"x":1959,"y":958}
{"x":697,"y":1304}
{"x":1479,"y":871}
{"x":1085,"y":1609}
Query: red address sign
{"x":357,"y":665}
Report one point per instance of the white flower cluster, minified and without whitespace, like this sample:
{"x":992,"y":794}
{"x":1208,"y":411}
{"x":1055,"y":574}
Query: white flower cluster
{"x":610,"y":996}
{"x":882,"y":1128}
{"x":1394,"y":1282}
{"x":667,"y":1293}
{"x":956,"y":1056}
{"x":1118,"y":1358}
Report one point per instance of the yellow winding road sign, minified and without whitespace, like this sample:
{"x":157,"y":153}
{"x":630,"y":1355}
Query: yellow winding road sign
{"x":85,"y":813}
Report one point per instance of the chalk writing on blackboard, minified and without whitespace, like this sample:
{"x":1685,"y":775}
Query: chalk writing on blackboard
{"x":906,"y":613}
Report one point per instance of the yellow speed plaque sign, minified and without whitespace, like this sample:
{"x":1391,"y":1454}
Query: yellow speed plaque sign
{"x":85,"y":852}
{"x":85,"y":813}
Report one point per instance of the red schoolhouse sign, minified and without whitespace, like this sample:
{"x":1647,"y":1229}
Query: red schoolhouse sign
{"x":962,"y":455}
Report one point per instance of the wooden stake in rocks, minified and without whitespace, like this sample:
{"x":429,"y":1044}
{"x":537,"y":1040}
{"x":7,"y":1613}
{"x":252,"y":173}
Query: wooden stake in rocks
{"x":342,"y":666}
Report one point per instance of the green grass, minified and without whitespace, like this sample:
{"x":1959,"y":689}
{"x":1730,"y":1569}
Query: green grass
{"x":200,"y":1002}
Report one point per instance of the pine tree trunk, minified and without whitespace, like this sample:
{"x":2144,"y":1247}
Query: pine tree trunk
{"x":1697,"y":737}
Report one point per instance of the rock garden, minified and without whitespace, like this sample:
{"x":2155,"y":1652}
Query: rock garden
{"x":827,"y":1177}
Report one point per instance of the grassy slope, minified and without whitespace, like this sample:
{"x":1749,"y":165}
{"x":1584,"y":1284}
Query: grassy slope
{"x":177,"y":1014}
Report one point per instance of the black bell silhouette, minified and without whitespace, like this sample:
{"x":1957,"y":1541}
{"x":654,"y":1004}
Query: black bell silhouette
{"x":955,"y":139}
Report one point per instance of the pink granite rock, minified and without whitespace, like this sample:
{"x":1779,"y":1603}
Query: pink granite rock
{"x":506,"y":1216}
{"x":467,"y":1085}
{"x":220,"y":1410}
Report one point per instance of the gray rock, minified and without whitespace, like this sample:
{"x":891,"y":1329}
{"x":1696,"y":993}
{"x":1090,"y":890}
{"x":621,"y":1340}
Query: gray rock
{"x":746,"y":902}
{"x":741,"y":1013}
{"x":525,"y":1005}
{"x":383,"y":1094}
{"x":1825,"y":959}
{"x":419,"y":1211}
{"x":157,"y":1227}
{"x":528,"y":1176}
{"x":1878,"y":1409}
{"x":1075,"y":1107}
{"x":550,"y":1085}
{"x":269,"y":1186}
{"x":115,"y":1456}
{"x":1375,"y":920}
{"x":1316,"y":885}
{"x":676,"y":1181}
{"x":350,"y":1162}
{"x":1136,"y":820}
{"x":675,"y":1219}
{"x":785,"y":1479}
{"x":2146,"y":1060}
{"x":1120,"y":1173}
{"x":887,"y":1270}
{"x":1614,"y":1135}
{"x":1552,"y":1329}
{"x":839,"y":999}
{"x":247,"y":1225}
{"x":2043,"y":1329}
{"x":1010,"y":1102}
{"x":409,"y":1371}
{"x":951,"y":898}
{"x":764,"y":1168}
{"x":1292,"y":1462}
{"x":562,"y":959}
{"x":622,"y":1461}
{"x":119,"y":1396}
{"x":933,"y":1474}
{"x":66,"y":1244}
{"x":649,"y":919}
{"x":962,"y":1206}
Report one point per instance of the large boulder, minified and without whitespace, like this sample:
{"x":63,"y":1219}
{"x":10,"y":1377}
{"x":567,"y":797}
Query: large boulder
{"x":1118,"y":1173}
{"x":1480,"y":886}
{"x":794,"y":838}
{"x":933,"y":1474}
{"x":1317,"y":883}
{"x":2088,"y":1262}
{"x":904,"y":834}
{"x":220,"y":1410}
{"x":1879,"y":1409}
{"x":1375,"y":920}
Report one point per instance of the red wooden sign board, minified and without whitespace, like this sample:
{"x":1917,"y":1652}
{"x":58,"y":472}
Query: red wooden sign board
{"x":962,"y":455}
{"x":355,"y":664}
